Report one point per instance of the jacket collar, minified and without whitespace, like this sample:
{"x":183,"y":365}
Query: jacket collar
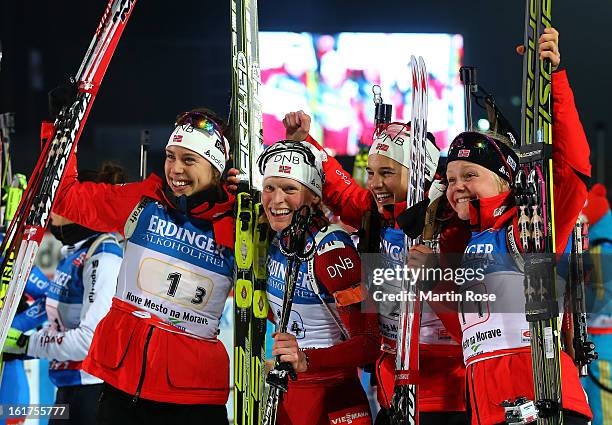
{"x":219,"y":213}
{"x":493,"y":212}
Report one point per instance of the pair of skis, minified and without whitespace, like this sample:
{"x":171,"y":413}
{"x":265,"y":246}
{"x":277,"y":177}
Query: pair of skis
{"x":404,"y":404}
{"x":250,"y":302}
{"x":535,"y":201}
{"x":26,"y":231}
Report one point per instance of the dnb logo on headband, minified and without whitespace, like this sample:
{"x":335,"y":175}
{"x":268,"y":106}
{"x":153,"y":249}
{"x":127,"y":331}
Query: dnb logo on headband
{"x":463,"y":153}
{"x":219,"y":145}
{"x":288,"y":157}
{"x":397,"y":139}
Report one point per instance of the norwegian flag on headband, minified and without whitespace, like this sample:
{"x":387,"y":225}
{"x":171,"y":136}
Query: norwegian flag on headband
{"x":284,"y":169}
{"x":178,"y":138}
{"x":463,"y":153}
{"x":382,"y":147}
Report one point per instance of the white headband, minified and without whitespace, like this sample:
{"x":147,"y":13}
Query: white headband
{"x":299,"y":161}
{"x":392,"y":141}
{"x":209,"y":144}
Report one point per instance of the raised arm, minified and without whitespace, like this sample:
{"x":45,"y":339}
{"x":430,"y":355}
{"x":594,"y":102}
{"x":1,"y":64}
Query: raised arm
{"x":341,"y":193}
{"x":572,"y":168}
{"x":100,"y":206}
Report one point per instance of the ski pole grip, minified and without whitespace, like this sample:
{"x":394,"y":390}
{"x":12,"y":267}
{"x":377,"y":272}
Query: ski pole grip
{"x":382,"y":113}
{"x":468,"y":78}
{"x":145,"y":142}
{"x":7,"y":125}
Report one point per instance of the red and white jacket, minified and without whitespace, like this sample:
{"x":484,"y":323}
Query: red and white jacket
{"x":159,"y":340}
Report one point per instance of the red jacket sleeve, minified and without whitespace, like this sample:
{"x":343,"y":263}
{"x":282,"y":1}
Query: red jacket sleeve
{"x":570,"y":155}
{"x":356,"y":312}
{"x":362,"y":348}
{"x":100,"y":206}
{"x":341,"y":193}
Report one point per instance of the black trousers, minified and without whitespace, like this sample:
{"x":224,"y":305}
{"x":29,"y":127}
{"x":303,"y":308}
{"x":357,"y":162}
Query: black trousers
{"x":119,"y":408}
{"x":82,"y":401}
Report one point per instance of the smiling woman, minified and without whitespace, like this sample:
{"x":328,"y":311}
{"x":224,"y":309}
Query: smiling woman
{"x":174,"y":280}
{"x":196,"y":153}
{"x":331,"y":335}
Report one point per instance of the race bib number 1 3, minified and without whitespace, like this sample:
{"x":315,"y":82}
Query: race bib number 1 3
{"x":175,"y":284}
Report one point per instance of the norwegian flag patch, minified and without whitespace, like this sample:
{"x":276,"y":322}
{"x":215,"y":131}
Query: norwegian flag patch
{"x":284,"y":169}
{"x":382,"y":147}
{"x":463,"y":153}
{"x":178,"y":138}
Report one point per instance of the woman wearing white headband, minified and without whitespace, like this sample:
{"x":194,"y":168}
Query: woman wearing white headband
{"x":157,"y":349}
{"x":330,"y":335}
{"x":442,"y":399}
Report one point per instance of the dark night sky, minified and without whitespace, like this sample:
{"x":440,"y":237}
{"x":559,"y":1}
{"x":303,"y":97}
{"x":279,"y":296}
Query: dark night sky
{"x":175,"y":55}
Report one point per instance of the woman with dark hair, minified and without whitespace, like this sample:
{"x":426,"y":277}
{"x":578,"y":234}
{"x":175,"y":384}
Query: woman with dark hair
{"x":157,"y":349}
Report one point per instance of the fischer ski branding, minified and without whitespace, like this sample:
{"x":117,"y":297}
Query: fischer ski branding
{"x":250,"y":302}
{"x":534,"y":198}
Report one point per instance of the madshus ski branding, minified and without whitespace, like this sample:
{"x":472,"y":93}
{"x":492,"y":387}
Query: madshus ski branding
{"x":30,"y":220}
{"x":124,"y":11}
{"x":78,"y":111}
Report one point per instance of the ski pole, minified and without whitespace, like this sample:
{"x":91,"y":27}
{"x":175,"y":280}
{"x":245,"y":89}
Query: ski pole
{"x":468,"y":78}
{"x":145,"y":143}
{"x":293,"y":244}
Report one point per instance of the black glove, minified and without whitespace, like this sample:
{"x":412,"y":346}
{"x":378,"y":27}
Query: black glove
{"x":62,"y":96}
{"x":412,"y":221}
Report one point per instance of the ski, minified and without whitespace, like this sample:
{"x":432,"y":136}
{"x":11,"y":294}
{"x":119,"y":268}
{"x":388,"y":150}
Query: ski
{"x":534,"y":197}
{"x":250,"y":303}
{"x":404,"y":403}
{"x":259,"y":315}
{"x":23,"y":237}
{"x":293,"y":244}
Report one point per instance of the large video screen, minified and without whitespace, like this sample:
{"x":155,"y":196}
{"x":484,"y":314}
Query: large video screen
{"x":330,"y":76}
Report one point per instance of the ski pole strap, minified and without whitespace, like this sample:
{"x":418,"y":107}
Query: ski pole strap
{"x":315,"y":285}
{"x":513,"y":248}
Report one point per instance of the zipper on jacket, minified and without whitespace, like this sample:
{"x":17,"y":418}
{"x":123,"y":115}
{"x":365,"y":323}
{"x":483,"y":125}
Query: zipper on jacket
{"x":144,"y":366}
{"x":474,"y":393}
